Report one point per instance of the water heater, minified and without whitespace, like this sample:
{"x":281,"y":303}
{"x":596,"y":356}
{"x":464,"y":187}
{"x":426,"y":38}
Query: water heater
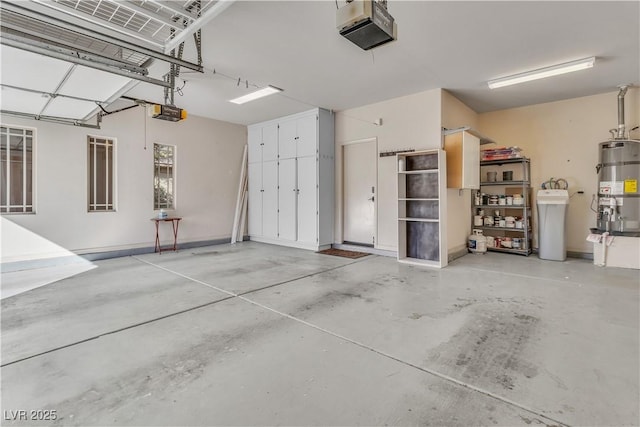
{"x":618,"y":171}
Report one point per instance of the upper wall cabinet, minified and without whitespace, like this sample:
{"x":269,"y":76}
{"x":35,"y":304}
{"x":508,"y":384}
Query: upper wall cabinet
{"x":263,"y":142}
{"x":297,"y":137}
{"x":463,"y":157}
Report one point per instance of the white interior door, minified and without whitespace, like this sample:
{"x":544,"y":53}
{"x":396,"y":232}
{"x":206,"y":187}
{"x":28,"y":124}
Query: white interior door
{"x":307,"y":200}
{"x":270,"y":199}
{"x":287,"y":196}
{"x":255,"y":199}
{"x":359,"y":186}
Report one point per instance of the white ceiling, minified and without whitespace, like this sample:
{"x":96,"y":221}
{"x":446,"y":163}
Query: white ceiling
{"x":294,"y":45}
{"x":454,"y":45}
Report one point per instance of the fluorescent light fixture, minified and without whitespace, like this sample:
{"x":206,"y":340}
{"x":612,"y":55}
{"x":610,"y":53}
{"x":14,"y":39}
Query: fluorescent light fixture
{"x":260,"y":93}
{"x":554,"y":70}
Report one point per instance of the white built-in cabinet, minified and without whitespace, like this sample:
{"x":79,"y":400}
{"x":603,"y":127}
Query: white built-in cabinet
{"x":291,"y":180}
{"x":463,"y":156}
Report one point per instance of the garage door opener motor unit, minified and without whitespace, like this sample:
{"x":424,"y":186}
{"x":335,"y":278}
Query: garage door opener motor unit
{"x":366,"y":23}
{"x":170,"y":113}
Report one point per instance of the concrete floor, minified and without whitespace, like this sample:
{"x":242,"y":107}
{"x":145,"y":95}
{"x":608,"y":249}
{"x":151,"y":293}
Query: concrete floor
{"x":255,"y":334}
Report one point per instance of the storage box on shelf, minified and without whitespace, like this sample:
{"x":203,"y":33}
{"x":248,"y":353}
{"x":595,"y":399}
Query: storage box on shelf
{"x":502,"y":206}
{"x":422,"y":232}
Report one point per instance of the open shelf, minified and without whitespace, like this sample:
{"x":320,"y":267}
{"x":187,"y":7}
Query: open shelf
{"x":520,"y":172}
{"x":419,"y":171}
{"x":487,"y":183}
{"x":501,"y":206}
{"x":419,"y":219}
{"x":422,"y":234}
{"x":489,"y":227}
{"x":511,"y":250}
{"x":504,"y":161}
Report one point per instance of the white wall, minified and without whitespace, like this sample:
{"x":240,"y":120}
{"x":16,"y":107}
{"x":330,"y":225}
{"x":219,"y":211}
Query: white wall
{"x":562,"y":138}
{"x":207,"y":172}
{"x":411,"y":121}
{"x":455,"y":114}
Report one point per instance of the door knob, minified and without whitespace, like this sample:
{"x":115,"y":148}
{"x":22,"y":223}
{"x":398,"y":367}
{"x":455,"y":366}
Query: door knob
{"x":372,"y":198}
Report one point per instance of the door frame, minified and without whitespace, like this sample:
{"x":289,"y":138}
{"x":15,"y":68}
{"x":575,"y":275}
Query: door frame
{"x":340,"y":188}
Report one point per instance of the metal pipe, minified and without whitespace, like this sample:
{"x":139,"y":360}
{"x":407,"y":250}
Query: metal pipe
{"x":53,"y":119}
{"x":623,"y":91}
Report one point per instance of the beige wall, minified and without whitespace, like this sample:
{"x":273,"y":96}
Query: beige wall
{"x":411,"y":121}
{"x":454,"y":115}
{"x":561,"y":138}
{"x":207,"y":166}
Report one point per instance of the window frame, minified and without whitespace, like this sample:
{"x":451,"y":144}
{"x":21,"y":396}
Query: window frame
{"x":113,"y":182}
{"x":24,"y":205}
{"x":174,"y":149}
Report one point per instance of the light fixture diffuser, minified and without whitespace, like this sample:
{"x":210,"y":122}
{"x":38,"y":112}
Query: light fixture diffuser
{"x":554,"y":70}
{"x":260,"y":93}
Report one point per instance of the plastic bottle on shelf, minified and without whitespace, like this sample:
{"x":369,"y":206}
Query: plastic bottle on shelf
{"x":477,"y":242}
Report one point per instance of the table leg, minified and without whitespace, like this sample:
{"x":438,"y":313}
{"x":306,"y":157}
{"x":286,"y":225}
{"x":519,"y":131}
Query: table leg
{"x":157,"y":248}
{"x":176,"y":224}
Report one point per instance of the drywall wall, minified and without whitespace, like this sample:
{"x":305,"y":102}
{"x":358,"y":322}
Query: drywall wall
{"x":562,"y":138}
{"x":411,"y":121}
{"x":455,"y":114}
{"x":208,"y":160}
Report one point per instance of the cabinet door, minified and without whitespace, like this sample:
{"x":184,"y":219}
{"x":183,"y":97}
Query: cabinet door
{"x":270,"y":199}
{"x":287,"y":139}
{"x":307,"y":136}
{"x":470,"y":161}
{"x":254,"y":140}
{"x":270,"y":142}
{"x":287,"y":197}
{"x":307,"y":200}
{"x":255,"y":199}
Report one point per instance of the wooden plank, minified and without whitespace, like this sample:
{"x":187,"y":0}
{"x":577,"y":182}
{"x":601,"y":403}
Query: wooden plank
{"x":241,"y":189}
{"x":243,"y":216}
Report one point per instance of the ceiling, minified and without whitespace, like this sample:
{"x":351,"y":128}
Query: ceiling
{"x":454,"y":45}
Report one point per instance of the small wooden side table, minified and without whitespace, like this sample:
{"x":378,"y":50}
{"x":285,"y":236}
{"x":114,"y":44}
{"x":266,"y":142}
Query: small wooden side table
{"x":175,"y":223}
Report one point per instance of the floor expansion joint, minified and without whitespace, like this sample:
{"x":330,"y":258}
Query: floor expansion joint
{"x":359,"y":344}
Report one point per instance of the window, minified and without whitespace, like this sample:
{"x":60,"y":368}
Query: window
{"x":101,"y":176}
{"x":16,"y":164}
{"x":163,"y":177}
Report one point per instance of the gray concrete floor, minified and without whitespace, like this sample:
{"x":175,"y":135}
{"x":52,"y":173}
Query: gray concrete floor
{"x":254,"y":334}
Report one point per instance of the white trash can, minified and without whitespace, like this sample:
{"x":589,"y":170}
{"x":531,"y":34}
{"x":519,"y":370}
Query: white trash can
{"x":552,"y":218}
